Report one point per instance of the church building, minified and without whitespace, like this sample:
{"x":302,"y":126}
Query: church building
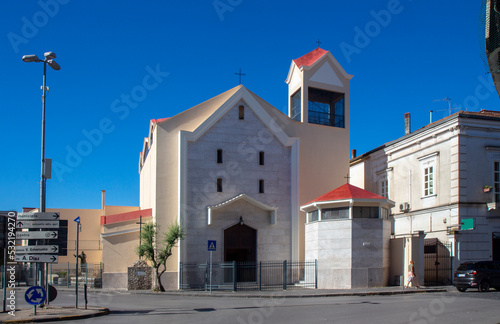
{"x":234,"y":169}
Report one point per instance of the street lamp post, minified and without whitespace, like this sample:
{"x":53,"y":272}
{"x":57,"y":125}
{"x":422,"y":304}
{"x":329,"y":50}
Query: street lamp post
{"x":48,"y":59}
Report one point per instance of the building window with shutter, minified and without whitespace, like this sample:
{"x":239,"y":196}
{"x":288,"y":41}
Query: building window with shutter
{"x":429,"y":169}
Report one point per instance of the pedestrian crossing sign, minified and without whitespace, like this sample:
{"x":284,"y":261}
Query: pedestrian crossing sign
{"x":212,"y":245}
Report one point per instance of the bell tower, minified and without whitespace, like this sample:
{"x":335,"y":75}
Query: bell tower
{"x":318,"y":90}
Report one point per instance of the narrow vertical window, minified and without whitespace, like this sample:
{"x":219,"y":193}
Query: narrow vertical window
{"x":261,"y":158}
{"x":219,"y":184}
{"x":384,"y":188}
{"x":261,"y":186}
{"x":219,"y":156}
{"x":428,"y":181}
{"x":241,"y":112}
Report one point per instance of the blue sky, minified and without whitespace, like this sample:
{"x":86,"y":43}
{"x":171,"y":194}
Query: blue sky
{"x":403,"y":54}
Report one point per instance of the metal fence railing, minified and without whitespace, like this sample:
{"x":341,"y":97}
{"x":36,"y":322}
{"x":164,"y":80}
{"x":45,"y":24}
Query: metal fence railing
{"x":61,"y":274}
{"x":265,"y":275}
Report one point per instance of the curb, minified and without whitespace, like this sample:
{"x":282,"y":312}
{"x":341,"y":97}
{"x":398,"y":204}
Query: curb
{"x":100,"y":312}
{"x":277,"y":294}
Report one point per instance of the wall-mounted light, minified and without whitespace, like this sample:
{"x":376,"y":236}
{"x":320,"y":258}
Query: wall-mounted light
{"x":241,"y":221}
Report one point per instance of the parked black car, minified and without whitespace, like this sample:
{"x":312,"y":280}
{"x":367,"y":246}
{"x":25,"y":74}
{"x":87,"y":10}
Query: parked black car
{"x":481,"y":275}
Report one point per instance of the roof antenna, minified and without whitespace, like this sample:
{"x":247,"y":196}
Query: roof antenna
{"x":449,"y":104}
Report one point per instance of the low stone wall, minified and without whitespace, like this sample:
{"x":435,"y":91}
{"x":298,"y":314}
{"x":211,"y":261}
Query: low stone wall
{"x":140,"y":277}
{"x":114,"y":280}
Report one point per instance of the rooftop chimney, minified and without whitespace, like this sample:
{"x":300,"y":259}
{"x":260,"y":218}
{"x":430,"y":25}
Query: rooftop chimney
{"x":103,"y":196}
{"x":407,"y":124}
{"x":353,"y":153}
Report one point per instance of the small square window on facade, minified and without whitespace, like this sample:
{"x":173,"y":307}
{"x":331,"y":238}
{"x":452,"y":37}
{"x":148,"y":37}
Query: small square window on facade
{"x":241,"y":113}
{"x":219,"y":156}
{"x":261,"y":186}
{"x":261,"y":158}
{"x":219,"y":184}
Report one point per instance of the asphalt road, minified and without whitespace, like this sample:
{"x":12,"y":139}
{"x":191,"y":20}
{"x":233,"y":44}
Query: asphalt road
{"x":451,"y":307}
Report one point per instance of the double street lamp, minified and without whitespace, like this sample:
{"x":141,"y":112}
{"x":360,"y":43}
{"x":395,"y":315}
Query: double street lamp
{"x":48,"y":60}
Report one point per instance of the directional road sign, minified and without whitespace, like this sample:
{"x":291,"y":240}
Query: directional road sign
{"x":30,"y":249}
{"x":38,"y":235}
{"x":37,"y":224}
{"x":212,"y":245}
{"x":38,"y":216}
{"x":35,"y":295}
{"x":41,"y":258}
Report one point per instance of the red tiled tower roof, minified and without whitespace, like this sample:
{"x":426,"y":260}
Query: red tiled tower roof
{"x":310,"y":57}
{"x":346,"y":191}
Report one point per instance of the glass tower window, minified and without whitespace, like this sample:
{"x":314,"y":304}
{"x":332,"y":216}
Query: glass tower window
{"x":296,"y":110}
{"x":326,"y":108}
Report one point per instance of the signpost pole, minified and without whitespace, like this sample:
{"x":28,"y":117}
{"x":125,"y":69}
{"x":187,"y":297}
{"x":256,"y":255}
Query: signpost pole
{"x":212,"y":246}
{"x":76,"y":286}
{"x":5,"y":279}
{"x":211,"y":272}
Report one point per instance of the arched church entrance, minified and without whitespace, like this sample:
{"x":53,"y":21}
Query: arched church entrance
{"x":240,"y":245}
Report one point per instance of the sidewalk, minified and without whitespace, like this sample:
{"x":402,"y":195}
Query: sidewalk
{"x":70,"y":313}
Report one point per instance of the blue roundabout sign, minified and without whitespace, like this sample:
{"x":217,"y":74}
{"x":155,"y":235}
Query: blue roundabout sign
{"x":35,"y":295}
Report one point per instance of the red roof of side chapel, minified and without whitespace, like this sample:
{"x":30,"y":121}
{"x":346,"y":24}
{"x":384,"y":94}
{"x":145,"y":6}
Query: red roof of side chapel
{"x":344,"y":192}
{"x":310,"y":58}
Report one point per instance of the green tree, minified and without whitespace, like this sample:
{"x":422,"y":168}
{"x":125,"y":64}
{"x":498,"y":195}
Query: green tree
{"x":157,"y":250}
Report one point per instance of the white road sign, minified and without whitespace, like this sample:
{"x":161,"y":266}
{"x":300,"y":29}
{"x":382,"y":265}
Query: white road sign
{"x":43,"y":258}
{"x":37,"y":216}
{"x":31,"y":249}
{"x":37,"y":224}
{"x":38,"y":235}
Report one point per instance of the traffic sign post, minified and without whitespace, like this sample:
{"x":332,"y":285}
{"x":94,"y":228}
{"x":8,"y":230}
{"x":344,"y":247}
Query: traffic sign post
{"x":78,"y":229}
{"x":212,"y":246}
{"x":42,"y":235}
{"x":40,"y":258}
{"x":30,"y":249}
{"x":37,"y":216}
{"x":35,"y":295}
{"x":37,"y":224}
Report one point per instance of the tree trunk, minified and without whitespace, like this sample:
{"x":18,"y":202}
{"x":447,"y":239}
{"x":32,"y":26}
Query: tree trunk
{"x":158,"y":280}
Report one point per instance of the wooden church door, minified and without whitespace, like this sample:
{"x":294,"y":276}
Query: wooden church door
{"x":240,"y":245}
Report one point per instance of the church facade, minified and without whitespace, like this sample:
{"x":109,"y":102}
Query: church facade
{"x":234,"y":169}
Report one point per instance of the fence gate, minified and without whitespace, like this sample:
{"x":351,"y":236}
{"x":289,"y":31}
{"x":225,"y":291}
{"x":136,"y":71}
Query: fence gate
{"x":438,"y":263}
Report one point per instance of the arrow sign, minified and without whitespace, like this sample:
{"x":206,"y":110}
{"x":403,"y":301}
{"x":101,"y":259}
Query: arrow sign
{"x":43,"y":235}
{"x":41,"y":258}
{"x":37,"y":224}
{"x":37,"y":249}
{"x":37,"y":216}
{"x":35,"y":295}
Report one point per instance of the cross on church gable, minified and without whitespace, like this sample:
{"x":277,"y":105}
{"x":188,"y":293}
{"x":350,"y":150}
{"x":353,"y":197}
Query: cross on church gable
{"x":240,"y":74}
